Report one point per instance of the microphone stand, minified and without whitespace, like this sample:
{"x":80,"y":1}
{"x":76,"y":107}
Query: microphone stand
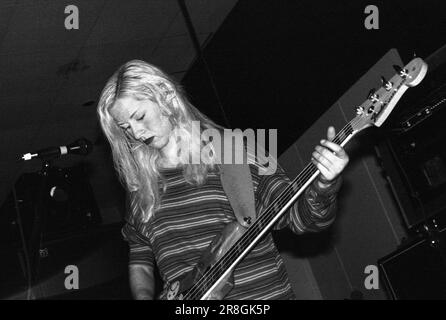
{"x":34,"y":251}
{"x":40,"y":215}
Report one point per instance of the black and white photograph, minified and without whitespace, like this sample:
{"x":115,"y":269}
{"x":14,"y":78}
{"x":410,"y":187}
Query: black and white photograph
{"x":222,"y":150}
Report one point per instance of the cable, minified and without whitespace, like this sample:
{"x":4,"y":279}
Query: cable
{"x":25,"y":247}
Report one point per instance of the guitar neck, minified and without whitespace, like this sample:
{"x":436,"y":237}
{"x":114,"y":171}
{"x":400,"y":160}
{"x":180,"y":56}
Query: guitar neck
{"x":262,"y":224}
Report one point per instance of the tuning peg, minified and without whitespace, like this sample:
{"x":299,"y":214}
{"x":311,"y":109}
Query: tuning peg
{"x":386,"y":84}
{"x":372,"y":96}
{"x":397,"y":68}
{"x":402,"y":72}
{"x":359,"y":110}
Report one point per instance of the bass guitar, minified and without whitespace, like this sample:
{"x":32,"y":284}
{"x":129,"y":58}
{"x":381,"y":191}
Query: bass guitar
{"x":211,"y":277}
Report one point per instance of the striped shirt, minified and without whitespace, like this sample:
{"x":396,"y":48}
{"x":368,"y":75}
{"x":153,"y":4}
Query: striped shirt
{"x":190,"y":217}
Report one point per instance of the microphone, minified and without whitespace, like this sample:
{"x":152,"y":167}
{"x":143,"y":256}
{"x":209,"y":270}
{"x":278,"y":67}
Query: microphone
{"x":81,"y":146}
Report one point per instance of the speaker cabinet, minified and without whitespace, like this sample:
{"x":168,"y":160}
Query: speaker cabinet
{"x":414,"y":160}
{"x":99,"y":254}
{"x":416,"y":271}
{"x":70,"y":205}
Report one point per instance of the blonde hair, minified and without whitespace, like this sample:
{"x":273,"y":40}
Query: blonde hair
{"x":136,"y":163}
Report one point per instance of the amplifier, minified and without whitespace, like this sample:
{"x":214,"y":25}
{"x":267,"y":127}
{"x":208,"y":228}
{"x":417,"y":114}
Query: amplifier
{"x":416,"y":271}
{"x":99,"y":254}
{"x":70,"y":205}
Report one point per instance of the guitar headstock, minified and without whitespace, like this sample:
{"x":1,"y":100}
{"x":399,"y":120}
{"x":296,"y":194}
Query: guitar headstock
{"x":375,"y":110}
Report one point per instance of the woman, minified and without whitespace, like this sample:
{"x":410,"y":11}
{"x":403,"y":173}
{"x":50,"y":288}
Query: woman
{"x":177,"y":206}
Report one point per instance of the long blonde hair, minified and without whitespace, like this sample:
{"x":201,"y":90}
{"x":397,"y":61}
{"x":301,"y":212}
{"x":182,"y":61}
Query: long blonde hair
{"x":136,"y":163}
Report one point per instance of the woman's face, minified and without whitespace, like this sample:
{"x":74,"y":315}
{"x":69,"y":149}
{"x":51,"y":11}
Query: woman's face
{"x":142,"y":120}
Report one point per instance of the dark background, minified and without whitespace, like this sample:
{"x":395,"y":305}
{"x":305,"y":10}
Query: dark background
{"x":281,"y":64}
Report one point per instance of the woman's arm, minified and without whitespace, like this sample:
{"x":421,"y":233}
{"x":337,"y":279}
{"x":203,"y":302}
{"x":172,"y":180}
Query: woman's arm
{"x":142,"y":281}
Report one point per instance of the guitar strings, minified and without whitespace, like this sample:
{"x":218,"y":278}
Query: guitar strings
{"x":306,"y":173}
{"x":208,"y":277}
{"x":290,"y":189}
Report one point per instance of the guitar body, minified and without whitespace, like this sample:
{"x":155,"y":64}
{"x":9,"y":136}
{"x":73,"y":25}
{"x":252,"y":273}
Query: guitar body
{"x":217,"y":249}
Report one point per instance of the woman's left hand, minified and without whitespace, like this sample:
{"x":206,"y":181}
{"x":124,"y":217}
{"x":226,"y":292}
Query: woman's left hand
{"x":329,"y":157}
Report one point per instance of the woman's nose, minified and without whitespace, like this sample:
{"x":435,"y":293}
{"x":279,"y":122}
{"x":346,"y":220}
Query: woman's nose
{"x":137,"y":130}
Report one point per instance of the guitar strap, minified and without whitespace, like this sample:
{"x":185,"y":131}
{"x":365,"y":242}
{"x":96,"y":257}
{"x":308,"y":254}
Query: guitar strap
{"x":237,"y":182}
